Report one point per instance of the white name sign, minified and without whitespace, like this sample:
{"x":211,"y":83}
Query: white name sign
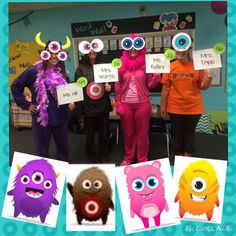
{"x":157,"y":63}
{"x":69,"y":93}
{"x":104,"y":73}
{"x":206,"y":59}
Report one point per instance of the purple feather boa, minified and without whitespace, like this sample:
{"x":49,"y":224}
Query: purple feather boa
{"x":46,"y":81}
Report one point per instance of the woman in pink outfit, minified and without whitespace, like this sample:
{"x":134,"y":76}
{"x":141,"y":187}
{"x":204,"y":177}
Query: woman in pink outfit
{"x":132,"y":98}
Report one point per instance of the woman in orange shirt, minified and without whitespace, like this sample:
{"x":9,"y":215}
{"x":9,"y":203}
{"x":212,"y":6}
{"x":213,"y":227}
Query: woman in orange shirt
{"x":181,"y":95}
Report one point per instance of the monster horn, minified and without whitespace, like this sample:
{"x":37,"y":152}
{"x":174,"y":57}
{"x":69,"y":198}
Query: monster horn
{"x":18,"y":167}
{"x":57,"y":175}
{"x":38,"y":40}
{"x":67,"y":45}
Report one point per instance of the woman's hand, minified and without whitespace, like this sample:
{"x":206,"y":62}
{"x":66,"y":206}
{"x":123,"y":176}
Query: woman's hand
{"x":32,"y":109}
{"x":119,"y":109}
{"x":72,"y":106}
{"x":209,"y":75}
{"x":163,"y":112}
{"x":107,"y":87}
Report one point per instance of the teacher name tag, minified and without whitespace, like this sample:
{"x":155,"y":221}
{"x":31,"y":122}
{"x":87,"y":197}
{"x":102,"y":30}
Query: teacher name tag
{"x":206,"y":59}
{"x":157,"y":63}
{"x":104,"y":73}
{"x":69,"y":93}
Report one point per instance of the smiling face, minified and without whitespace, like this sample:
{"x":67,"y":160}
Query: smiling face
{"x":145,"y":187}
{"x":36,"y":180}
{"x":198,"y":187}
{"x":53,"y":60}
{"x":145,"y":184}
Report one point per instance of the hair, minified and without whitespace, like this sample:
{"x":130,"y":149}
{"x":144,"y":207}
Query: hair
{"x":85,"y":59}
{"x":60,"y":64}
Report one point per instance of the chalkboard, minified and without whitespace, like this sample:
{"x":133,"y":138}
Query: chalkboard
{"x":156,"y":30}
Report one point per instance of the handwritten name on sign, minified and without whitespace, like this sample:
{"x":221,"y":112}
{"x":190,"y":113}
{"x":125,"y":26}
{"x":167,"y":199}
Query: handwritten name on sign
{"x":104,"y":73}
{"x":69,"y":93}
{"x":157,"y":63}
{"x":206,"y":59}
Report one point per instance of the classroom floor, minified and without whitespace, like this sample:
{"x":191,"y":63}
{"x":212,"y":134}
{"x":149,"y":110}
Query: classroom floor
{"x":207,"y":146}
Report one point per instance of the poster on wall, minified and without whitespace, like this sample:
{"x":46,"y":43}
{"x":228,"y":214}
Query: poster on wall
{"x":22,"y":54}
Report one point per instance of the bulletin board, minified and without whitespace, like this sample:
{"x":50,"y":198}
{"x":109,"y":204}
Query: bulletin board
{"x":156,"y":30}
{"x":21,"y":56}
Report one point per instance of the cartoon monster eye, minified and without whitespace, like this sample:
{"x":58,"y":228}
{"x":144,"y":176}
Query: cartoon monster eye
{"x":47,"y":184}
{"x":87,"y":184}
{"x":37,"y":178}
{"x":97,"y":45}
{"x":137,"y":185}
{"x":139,"y":43}
{"x":25,"y":179}
{"x":85,"y":47}
{"x":127,"y":43}
{"x":97,"y":184}
{"x":62,"y":56}
{"x":54,"y":47}
{"x":199,"y":185}
{"x":45,"y":55}
{"x":181,"y":42}
{"x":152,"y":182}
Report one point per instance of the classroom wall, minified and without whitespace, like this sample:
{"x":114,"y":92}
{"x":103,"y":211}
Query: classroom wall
{"x":55,"y":24}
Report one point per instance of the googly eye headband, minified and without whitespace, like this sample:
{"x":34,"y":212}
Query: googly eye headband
{"x":52,"y":47}
{"x":181,"y":42}
{"x":127,"y":43}
{"x":86,"y":47}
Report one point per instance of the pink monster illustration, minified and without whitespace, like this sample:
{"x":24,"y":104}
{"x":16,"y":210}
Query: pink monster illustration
{"x":146,"y":192}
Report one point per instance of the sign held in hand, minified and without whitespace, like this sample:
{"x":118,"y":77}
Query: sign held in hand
{"x":157,"y":63}
{"x":105,"y":73}
{"x":206,"y":59}
{"x":69,"y":93}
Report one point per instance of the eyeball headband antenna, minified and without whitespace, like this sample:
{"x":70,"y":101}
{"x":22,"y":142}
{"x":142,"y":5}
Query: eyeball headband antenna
{"x":181,"y":42}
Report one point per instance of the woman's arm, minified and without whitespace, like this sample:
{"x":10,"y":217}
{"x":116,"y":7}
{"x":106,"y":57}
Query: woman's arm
{"x":164,"y":98}
{"x":26,"y":79}
{"x":153,"y":81}
{"x":207,"y":79}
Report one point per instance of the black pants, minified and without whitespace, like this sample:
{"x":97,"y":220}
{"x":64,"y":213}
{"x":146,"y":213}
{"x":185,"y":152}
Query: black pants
{"x":100,"y":124}
{"x":183,"y":132}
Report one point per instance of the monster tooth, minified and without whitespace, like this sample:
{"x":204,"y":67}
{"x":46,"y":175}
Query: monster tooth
{"x":33,"y":195}
{"x":198,"y":198}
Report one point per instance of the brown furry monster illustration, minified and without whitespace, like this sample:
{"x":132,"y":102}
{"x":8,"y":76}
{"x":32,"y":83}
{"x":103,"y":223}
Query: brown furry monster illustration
{"x":92,"y":195}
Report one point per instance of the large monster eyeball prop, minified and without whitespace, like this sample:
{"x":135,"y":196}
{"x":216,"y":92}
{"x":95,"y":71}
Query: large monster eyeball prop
{"x":62,"y":56}
{"x":181,"y":42}
{"x":138,"y":43}
{"x":127,"y":43}
{"x":96,"y":45}
{"x":54,"y":47}
{"x":45,"y":55}
{"x":85,"y":47}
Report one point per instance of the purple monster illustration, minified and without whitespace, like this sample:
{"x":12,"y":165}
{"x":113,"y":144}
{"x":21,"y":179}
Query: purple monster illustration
{"x":34,"y":189}
{"x":146,"y":192}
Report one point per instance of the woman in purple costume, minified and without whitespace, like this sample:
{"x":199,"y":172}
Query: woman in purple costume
{"x":48,"y":118}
